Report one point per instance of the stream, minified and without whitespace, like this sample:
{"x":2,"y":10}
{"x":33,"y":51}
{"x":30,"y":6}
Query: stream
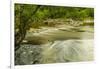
{"x":59,"y":44}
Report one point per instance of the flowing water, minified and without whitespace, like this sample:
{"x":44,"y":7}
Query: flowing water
{"x":61,"y":44}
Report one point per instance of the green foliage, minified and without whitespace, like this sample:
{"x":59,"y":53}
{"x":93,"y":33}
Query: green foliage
{"x":24,"y":14}
{"x":28,"y":15}
{"x":50,"y":12}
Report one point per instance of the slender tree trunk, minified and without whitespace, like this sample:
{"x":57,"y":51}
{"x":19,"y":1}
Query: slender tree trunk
{"x":20,"y":35}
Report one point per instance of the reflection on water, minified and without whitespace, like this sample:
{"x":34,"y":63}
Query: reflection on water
{"x":61,"y":44}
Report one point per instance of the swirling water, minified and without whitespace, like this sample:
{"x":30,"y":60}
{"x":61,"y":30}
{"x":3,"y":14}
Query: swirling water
{"x":63,"y":45}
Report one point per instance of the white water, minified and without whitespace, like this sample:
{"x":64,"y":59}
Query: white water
{"x":67,"y":45}
{"x":68,"y":51}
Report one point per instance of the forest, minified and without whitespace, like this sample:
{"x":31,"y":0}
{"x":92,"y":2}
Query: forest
{"x":33,"y":21}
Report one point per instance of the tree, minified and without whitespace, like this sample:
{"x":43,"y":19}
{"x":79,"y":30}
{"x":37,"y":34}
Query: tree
{"x":23,"y":18}
{"x":26,"y":14}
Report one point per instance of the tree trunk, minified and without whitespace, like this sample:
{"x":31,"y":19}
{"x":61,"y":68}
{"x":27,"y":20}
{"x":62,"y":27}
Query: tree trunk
{"x":20,"y":35}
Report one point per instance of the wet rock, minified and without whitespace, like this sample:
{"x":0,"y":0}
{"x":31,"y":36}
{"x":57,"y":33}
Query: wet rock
{"x":28,"y":54}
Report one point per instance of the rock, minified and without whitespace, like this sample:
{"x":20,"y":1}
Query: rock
{"x":28,"y":54}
